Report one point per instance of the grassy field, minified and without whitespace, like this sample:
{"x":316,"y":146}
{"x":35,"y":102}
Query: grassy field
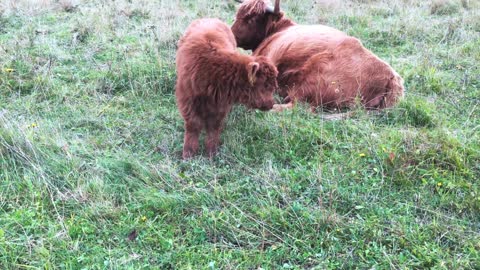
{"x":90,"y":144}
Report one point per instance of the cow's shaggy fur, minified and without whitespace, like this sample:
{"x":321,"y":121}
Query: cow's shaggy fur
{"x":316,"y":63}
{"x":212,"y":76}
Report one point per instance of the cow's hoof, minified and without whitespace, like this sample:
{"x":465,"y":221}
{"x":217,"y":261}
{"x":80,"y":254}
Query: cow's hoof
{"x":281,"y":107}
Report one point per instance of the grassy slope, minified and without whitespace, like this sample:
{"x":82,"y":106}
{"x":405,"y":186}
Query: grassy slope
{"x":90,"y":140}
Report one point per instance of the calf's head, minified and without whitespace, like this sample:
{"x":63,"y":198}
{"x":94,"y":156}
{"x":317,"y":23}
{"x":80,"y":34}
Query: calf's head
{"x":251,"y":22}
{"x":262,"y":81}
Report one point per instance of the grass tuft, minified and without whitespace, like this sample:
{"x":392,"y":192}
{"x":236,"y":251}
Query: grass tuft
{"x":445,"y":7}
{"x":415,"y":113}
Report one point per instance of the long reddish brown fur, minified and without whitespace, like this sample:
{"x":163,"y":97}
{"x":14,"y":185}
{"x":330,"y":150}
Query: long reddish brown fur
{"x":212,"y":76}
{"x":316,"y":63}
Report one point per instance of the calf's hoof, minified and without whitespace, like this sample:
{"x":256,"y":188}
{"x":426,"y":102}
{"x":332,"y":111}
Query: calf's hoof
{"x":187,"y":154}
{"x":212,"y":152}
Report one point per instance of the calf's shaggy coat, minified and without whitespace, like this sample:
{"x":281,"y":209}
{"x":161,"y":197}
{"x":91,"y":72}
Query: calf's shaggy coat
{"x":212,"y":76}
{"x":316,"y":63}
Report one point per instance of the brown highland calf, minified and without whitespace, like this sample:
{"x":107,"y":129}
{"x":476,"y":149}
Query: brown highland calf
{"x":212,"y":76}
{"x":316,"y":63}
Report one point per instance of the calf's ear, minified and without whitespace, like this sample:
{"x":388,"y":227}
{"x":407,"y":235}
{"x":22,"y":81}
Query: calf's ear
{"x":252,"y":69}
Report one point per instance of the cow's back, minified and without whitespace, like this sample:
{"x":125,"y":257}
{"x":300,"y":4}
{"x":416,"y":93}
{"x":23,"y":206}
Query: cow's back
{"x":300,"y":41}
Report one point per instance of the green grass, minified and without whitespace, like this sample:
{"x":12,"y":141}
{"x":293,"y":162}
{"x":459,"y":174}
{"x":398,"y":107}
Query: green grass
{"x":90,"y":146}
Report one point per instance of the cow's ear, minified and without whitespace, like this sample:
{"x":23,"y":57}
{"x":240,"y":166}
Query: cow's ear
{"x":252,"y":69}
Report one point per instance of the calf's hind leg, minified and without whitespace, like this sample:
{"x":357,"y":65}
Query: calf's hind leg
{"x":190,"y":141}
{"x":214,"y":129}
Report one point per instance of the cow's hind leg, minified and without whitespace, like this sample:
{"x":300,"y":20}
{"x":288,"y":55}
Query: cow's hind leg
{"x":190,"y":142}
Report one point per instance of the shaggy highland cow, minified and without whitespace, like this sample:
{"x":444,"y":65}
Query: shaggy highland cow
{"x":316,"y":64}
{"x":212,"y":76}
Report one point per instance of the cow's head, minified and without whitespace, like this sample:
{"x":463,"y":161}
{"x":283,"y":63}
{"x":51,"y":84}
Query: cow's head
{"x":251,"y":22}
{"x":262,"y":81}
